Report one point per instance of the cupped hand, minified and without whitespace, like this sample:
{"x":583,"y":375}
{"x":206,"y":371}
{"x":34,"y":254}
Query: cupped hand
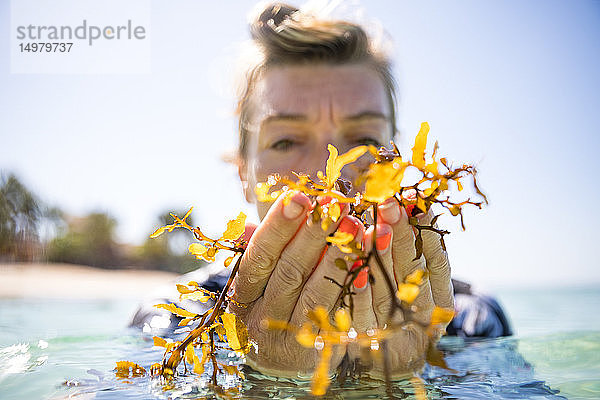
{"x":282,"y":277}
{"x":395,"y":242}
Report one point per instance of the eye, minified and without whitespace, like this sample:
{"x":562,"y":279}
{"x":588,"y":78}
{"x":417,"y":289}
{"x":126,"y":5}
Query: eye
{"x":283,"y":145}
{"x":366,"y":141}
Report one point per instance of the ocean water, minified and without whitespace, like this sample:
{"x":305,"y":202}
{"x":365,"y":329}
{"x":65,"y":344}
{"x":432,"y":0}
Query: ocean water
{"x":53,"y":349}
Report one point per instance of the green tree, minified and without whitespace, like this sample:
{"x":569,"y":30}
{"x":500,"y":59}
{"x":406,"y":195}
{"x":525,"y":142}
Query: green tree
{"x":20,"y":217}
{"x":87,"y":240}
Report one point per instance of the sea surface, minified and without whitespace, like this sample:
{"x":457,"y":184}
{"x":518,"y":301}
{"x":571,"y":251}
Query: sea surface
{"x":54,"y":349}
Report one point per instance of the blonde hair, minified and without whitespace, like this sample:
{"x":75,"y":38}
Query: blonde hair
{"x":283,"y":35}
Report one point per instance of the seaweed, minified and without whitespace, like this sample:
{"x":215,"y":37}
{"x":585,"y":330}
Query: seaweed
{"x":381,"y":180}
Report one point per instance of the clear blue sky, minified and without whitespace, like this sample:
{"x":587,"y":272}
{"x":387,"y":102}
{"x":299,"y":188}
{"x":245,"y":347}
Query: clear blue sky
{"x":512,"y":86}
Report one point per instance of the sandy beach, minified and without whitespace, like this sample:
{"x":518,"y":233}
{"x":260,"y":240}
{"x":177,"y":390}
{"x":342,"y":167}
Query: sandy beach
{"x":69,"y":281}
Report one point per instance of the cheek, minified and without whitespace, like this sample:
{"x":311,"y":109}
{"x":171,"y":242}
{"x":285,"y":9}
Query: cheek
{"x":262,"y":167}
{"x":282,"y":164}
{"x":255,"y":175}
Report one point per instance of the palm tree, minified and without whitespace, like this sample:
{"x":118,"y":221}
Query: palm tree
{"x":20,"y":217}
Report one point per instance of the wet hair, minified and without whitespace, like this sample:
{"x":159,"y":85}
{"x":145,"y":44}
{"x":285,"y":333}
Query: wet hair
{"x":283,"y":36}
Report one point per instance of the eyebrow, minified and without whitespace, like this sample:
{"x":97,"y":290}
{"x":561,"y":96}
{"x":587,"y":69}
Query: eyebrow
{"x":365,"y":115}
{"x":303,"y":118}
{"x":284,"y":118}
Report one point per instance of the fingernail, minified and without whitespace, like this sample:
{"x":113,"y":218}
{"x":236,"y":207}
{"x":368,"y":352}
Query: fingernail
{"x":384,"y":237}
{"x":356,"y":265}
{"x":248,"y":232}
{"x":390,"y":211}
{"x":322,"y":200}
{"x":296,"y":206}
{"x":349,"y":225}
{"x":325,"y":201}
{"x":413,"y":211}
{"x":362,"y":278}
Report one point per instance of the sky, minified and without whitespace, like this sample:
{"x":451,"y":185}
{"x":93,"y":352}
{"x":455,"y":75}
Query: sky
{"x":511,"y":86}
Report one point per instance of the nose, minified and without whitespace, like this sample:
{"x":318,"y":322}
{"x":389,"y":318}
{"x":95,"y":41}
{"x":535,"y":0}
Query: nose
{"x":317,"y":160}
{"x":317,"y":154}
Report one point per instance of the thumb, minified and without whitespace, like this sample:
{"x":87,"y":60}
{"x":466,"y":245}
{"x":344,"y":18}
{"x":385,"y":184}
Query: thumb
{"x":248,"y":232}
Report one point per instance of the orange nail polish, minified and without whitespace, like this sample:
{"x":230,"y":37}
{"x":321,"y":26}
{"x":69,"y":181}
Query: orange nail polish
{"x":325,"y":200}
{"x":382,"y":242}
{"x":362,"y":278}
{"x":349,"y":225}
{"x":356,"y":265}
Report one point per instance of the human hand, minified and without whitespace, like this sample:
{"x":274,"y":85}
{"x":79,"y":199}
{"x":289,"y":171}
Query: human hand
{"x":278,"y":280}
{"x":395,"y":239}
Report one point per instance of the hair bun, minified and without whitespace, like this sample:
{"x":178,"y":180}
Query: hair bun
{"x":270,"y":18}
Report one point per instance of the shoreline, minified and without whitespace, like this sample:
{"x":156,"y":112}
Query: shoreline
{"x":69,"y":281}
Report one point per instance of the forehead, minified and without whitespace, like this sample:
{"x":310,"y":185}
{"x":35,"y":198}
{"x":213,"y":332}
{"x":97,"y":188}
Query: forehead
{"x":309,"y":89}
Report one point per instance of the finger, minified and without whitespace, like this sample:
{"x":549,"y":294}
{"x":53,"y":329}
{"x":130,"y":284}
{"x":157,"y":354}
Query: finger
{"x":403,"y":242}
{"x":268,"y":241}
{"x":436,"y":260}
{"x":423,"y":304}
{"x":363,"y":316}
{"x":319,"y":290}
{"x":406,"y":353}
{"x":437,"y":263}
{"x":245,"y":238}
{"x":384,"y":285}
{"x":297,"y":262}
{"x":403,"y":254}
{"x":361,"y":301}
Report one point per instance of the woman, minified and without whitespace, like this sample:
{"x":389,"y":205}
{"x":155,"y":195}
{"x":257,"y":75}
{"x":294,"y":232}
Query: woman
{"x":319,"y":82}
{"x":316,"y":82}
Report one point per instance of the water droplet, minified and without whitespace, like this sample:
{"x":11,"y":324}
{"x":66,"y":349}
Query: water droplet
{"x":374,"y":344}
{"x":352,"y":334}
{"x":319,"y":343}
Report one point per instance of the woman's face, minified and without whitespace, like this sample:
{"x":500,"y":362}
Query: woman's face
{"x":297,"y":110}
